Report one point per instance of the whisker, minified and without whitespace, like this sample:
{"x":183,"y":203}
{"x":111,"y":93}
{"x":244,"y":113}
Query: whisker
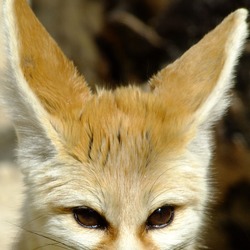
{"x":34,"y":219}
{"x":64,"y":245}
{"x":51,"y":244}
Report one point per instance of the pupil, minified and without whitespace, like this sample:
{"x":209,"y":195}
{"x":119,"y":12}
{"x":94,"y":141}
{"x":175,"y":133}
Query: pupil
{"x":88,"y":217}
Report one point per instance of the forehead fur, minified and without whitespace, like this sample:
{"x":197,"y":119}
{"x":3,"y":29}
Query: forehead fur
{"x":128,"y":139}
{"x":127,"y":119}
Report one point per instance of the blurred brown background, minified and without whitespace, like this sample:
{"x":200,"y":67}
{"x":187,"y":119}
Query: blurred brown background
{"x":116,"y":42}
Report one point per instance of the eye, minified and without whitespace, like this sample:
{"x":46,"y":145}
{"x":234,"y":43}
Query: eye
{"x":161,"y":217}
{"x":89,"y":218}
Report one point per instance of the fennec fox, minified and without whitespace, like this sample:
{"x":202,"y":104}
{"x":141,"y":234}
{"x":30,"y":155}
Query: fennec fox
{"x":123,"y":169}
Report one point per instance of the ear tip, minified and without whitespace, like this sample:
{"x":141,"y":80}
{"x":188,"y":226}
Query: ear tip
{"x":238,"y":20}
{"x":241,"y":13}
{"x":240,"y":16}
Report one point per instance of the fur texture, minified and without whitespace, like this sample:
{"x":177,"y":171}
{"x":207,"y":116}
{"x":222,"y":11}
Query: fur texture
{"x":123,"y":153}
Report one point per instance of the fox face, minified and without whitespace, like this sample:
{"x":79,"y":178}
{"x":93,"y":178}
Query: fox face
{"x":122,"y":175}
{"x":122,"y":169}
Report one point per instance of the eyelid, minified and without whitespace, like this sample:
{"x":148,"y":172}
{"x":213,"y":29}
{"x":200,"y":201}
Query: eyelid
{"x":88,"y":207}
{"x":160,"y":205}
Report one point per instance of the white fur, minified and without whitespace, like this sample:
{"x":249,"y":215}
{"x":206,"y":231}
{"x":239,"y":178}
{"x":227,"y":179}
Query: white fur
{"x":217,"y":102}
{"x":45,"y":169}
{"x":29,"y":117}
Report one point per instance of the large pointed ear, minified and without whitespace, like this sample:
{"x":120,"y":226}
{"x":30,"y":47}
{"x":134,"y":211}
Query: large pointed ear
{"x":39,"y":86}
{"x":197,"y":84}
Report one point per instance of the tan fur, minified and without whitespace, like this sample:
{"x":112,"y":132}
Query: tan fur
{"x":61,"y":89}
{"x":125,"y":152}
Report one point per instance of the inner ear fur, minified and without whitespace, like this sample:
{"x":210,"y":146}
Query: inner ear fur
{"x":197,"y":84}
{"x":40,"y":89}
{"x":50,"y":75}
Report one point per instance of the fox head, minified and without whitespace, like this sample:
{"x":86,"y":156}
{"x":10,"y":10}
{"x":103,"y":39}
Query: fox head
{"x":122,"y":169}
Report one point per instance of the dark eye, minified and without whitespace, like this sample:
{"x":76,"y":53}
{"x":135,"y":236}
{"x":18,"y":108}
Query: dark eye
{"x":89,"y":218}
{"x":161,"y":217}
